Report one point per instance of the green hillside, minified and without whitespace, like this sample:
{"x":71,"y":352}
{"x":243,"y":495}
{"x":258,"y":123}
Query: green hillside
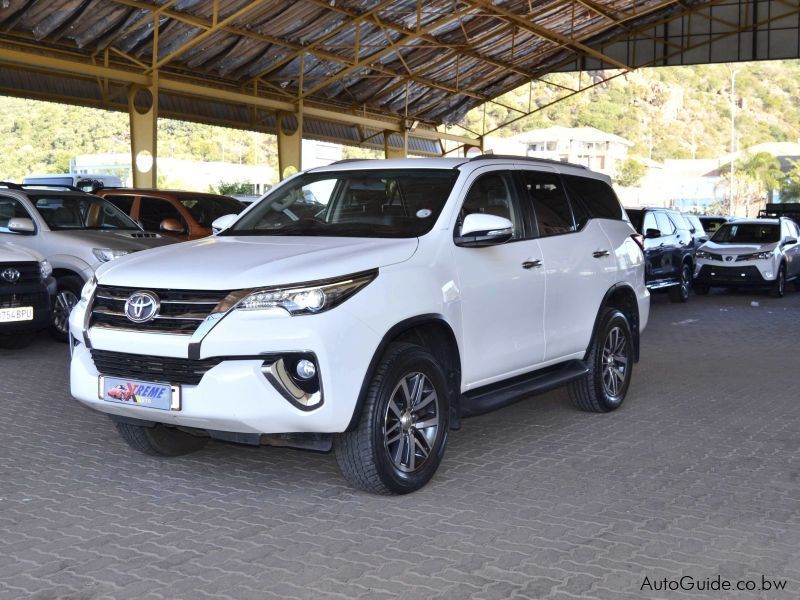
{"x":658,"y":109}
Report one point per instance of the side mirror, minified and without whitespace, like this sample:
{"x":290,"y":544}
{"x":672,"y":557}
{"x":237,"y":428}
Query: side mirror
{"x":652,"y":233}
{"x":787,"y":242}
{"x":704,"y":238}
{"x":23,"y":226}
{"x":479,"y":230}
{"x":222,"y":223}
{"x":172,"y":226}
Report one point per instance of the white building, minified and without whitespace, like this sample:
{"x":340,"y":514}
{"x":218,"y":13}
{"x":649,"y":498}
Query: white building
{"x":588,"y":146}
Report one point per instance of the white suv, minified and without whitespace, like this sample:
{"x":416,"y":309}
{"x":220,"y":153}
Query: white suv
{"x":366,"y":307}
{"x":750,"y":253}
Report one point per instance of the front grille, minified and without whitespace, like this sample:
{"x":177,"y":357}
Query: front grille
{"x":29,"y":272}
{"x":38,"y":300}
{"x":181,"y":312}
{"x":156,"y":369}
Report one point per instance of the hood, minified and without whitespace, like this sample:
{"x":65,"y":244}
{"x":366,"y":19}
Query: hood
{"x":9,"y":252}
{"x":737,"y":249}
{"x":116,"y":240}
{"x":227,"y":263}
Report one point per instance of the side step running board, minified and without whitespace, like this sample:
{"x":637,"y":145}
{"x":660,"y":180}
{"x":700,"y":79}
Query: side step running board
{"x":497,"y":395}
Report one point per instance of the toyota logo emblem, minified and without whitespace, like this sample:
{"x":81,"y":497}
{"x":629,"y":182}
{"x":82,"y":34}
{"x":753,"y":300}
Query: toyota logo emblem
{"x":11,"y":275}
{"x":141,"y":307}
{"x":729,"y":258}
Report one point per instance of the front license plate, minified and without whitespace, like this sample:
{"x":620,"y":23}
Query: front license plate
{"x":13,"y":315}
{"x":160,"y":396}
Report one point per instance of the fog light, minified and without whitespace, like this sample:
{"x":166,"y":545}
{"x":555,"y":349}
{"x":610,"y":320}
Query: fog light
{"x":305,"y":369}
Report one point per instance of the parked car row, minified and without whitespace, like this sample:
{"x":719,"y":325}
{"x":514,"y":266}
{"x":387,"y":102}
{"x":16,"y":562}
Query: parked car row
{"x":364,"y":307}
{"x":76,"y":232}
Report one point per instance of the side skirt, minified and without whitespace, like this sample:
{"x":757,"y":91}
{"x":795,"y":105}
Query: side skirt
{"x":497,"y":395}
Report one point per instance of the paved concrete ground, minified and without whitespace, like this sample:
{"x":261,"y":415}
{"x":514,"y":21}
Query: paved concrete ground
{"x":697,"y":474}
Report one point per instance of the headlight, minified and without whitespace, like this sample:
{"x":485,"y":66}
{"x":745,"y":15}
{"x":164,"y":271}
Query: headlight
{"x":756,"y":256}
{"x":88,"y":291}
{"x":307,"y":298}
{"x":45,"y":269}
{"x":107,"y":254}
{"x":702,"y":254}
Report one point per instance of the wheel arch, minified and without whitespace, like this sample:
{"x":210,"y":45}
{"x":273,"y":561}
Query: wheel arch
{"x":64,"y":272}
{"x":431,"y":331}
{"x":622,"y":297}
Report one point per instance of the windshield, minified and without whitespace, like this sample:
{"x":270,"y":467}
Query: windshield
{"x":207,"y":209}
{"x":376,"y":203}
{"x":80,"y":212}
{"x":747,"y":233}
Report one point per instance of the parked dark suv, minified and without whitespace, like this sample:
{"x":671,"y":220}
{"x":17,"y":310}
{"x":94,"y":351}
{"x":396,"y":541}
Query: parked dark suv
{"x":668,"y":250}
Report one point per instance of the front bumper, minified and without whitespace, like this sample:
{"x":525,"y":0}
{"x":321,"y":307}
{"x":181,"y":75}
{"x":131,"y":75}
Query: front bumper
{"x":731,"y":276}
{"x":234,"y":394}
{"x":37,"y":295}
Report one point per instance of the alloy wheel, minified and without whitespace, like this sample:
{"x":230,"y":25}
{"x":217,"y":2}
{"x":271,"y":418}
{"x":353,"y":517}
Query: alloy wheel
{"x":411,"y":422}
{"x":615,"y":362}
{"x":64,"y":303}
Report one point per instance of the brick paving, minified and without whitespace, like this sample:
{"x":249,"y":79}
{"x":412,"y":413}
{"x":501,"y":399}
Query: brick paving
{"x":697,"y":474}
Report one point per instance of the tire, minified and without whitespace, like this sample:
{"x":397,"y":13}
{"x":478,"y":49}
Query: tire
{"x":603,"y":389}
{"x":779,"y":287}
{"x":382,"y":454}
{"x":159,"y":440}
{"x":701,"y":289}
{"x":68,"y":292}
{"x":16,"y":341}
{"x":680,"y":292}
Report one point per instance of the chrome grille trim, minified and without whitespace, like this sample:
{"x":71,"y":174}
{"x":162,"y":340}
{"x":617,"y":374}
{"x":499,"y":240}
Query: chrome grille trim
{"x":182,"y":311}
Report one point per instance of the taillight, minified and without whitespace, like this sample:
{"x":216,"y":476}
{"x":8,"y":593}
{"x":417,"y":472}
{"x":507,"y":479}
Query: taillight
{"x":639,"y":239}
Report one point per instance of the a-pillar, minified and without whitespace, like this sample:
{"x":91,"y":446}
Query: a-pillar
{"x":290,"y":143}
{"x":143,"y":111}
{"x":390,"y":151}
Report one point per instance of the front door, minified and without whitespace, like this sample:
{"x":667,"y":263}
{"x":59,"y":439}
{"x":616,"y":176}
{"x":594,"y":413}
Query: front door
{"x":502,"y":288}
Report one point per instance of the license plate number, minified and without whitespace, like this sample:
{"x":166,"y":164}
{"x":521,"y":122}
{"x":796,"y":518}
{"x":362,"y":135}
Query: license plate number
{"x":13,"y":315}
{"x":132,"y":392}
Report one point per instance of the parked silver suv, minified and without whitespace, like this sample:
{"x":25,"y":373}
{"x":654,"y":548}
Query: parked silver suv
{"x":74,"y":231}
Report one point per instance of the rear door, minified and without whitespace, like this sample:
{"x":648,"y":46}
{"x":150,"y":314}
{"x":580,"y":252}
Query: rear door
{"x":578,"y":264}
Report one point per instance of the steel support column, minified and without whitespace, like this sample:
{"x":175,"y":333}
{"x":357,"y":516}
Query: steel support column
{"x":290,"y":143}
{"x":143,"y":111}
{"x":390,"y":151}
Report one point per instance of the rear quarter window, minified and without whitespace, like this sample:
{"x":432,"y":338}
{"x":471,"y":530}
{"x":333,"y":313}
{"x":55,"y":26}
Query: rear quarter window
{"x":593,"y":197}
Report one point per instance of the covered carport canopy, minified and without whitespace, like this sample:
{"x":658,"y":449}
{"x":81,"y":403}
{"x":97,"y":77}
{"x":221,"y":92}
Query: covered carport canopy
{"x":387,"y":74}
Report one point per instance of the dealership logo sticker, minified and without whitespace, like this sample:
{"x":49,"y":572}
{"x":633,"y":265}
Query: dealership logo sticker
{"x":141,"y":307}
{"x":11,"y":275}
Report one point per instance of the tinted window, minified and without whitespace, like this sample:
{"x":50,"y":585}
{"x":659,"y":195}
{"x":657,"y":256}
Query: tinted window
{"x":124,"y":203}
{"x":10,"y":209}
{"x":747,"y":233}
{"x":48,"y":181}
{"x":152,"y":211}
{"x":664,"y":224}
{"x":553,"y":213}
{"x":649,"y":222}
{"x":491,"y":194}
{"x":592,"y":197}
{"x":711,"y":224}
{"x":207,"y":209}
{"x":80,"y":212}
{"x":373,"y":203}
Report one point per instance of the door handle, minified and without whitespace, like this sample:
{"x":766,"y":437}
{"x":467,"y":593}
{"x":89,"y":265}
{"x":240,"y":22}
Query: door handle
{"x":531,"y":262}
{"x":600,"y":253}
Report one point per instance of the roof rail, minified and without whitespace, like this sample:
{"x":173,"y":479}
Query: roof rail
{"x":349,"y":160}
{"x":59,"y":186}
{"x":10,"y":185}
{"x":528,"y":158}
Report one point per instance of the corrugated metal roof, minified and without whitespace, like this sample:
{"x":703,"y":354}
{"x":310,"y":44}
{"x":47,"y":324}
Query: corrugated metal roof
{"x":429,"y":61}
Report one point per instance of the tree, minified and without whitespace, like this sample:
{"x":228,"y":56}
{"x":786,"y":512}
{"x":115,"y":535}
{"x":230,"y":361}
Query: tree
{"x":630,"y":173}
{"x":228,"y":188}
{"x":756,"y":176}
{"x":790,"y":189}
